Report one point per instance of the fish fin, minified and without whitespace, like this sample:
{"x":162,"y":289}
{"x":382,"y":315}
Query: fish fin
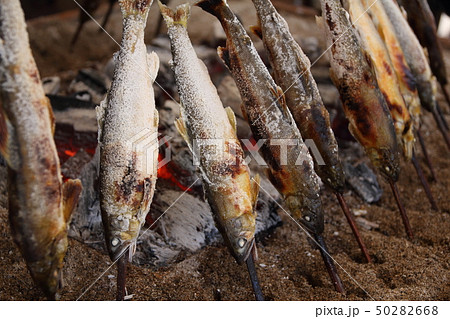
{"x":278,"y":92}
{"x":231,"y":117}
{"x":135,"y":8}
{"x":255,"y":182}
{"x":8,"y":148}
{"x":181,"y":127}
{"x":224,"y":55}
{"x":211,"y":6}
{"x":320,"y":21}
{"x":3,"y":135}
{"x":256,"y":30}
{"x":153,"y":65}
{"x":50,"y":115}
{"x":404,"y":13}
{"x":178,"y":16}
{"x":155,"y":118}
{"x":71,"y":191}
{"x":101,"y":110}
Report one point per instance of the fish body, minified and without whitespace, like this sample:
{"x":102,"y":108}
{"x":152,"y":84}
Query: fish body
{"x":375,"y":49}
{"x":364,"y":105}
{"x":414,"y":54}
{"x":271,"y":121}
{"x":210,"y":132}
{"x":40,"y":204}
{"x":128,"y":135}
{"x":421,"y":20}
{"x":292,"y":73}
{"x":406,"y":81}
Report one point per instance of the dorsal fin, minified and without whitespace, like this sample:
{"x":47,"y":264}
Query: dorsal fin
{"x":181,"y":127}
{"x":100,"y":110}
{"x":224,"y":55}
{"x":231,"y":117}
{"x":153,"y":65}
{"x":71,"y":191}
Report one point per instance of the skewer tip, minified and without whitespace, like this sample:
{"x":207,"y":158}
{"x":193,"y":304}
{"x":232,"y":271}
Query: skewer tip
{"x":329,"y":264}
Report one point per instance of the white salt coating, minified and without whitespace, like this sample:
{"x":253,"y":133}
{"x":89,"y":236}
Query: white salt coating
{"x":128,"y":126}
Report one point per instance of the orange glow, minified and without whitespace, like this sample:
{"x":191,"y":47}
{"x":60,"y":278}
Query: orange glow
{"x":165,"y":172}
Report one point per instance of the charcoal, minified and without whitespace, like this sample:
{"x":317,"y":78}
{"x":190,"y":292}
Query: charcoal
{"x":363,"y":181}
{"x":62,"y":103}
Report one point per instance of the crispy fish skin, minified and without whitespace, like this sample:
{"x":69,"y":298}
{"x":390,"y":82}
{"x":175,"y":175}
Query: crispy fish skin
{"x":128,"y":129}
{"x":421,"y":20}
{"x":39,"y":204}
{"x":364,"y":105}
{"x":406,"y":81}
{"x":414,"y":54}
{"x":270,"y":120}
{"x":204,"y":121}
{"x":375,"y":49}
{"x":292,"y":73}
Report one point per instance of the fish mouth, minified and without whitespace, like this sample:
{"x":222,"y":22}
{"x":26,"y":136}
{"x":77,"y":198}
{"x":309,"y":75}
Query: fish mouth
{"x":242,"y":257}
{"x":117,"y":252}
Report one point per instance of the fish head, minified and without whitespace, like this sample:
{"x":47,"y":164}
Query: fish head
{"x":307,"y":211}
{"x":386,"y":161}
{"x":239,"y":233}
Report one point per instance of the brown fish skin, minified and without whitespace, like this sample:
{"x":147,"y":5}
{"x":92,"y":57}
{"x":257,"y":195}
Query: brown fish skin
{"x":40,"y":205}
{"x":269,"y":119}
{"x":226,"y":176}
{"x":421,"y":20}
{"x":364,"y":105}
{"x":406,"y":81}
{"x":374,"y":47}
{"x":292,"y":72}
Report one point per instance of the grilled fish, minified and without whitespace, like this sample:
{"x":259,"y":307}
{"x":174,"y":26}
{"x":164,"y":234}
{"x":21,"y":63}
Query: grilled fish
{"x":421,"y":19}
{"x":40,"y":205}
{"x":375,"y":49}
{"x":128,"y":135}
{"x":364,"y":105}
{"x":406,"y":81}
{"x":210,"y":132}
{"x":292,"y":72}
{"x":290,"y":169}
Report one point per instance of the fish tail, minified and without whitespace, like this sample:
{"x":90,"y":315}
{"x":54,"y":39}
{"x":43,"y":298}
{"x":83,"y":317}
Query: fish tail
{"x":212,"y":6}
{"x":178,"y":16}
{"x":138,"y":8}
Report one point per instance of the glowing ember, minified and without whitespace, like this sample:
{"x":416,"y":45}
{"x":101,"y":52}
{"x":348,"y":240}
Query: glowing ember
{"x":166,"y":172}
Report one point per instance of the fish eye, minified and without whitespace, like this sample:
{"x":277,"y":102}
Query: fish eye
{"x":115,"y":242}
{"x":307,"y":218}
{"x":241,"y":242}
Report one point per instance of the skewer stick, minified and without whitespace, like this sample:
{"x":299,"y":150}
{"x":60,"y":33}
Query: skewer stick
{"x":425,"y":154}
{"x":424,"y":182}
{"x":441,"y":127}
{"x":353,"y":226}
{"x":329,"y":264}
{"x":254,"y":278}
{"x":122,"y":276}
{"x":441,"y":115}
{"x":108,"y":14}
{"x":402,"y":210}
{"x":444,"y":90}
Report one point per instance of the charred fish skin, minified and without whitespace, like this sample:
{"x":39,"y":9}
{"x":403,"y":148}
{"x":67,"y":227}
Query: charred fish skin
{"x":364,"y":105}
{"x":270,"y":120}
{"x":414,"y":55}
{"x":406,"y":81}
{"x":375,"y":49}
{"x":292,"y":73}
{"x":203,"y":122}
{"x":40,"y":205}
{"x":421,"y":19}
{"x":128,"y":118}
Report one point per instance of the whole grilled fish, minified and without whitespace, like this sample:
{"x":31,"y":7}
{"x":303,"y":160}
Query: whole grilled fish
{"x":364,"y":105}
{"x":291,"y":168}
{"x":421,"y":20}
{"x":210,"y":132}
{"x":406,"y":81}
{"x":40,"y":204}
{"x":375,"y":49}
{"x":292,"y":72}
{"x":128,"y":135}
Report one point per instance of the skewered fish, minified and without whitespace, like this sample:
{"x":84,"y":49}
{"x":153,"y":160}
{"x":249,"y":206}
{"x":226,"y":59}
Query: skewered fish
{"x":292,"y":72}
{"x":291,"y":171}
{"x":128,"y":128}
{"x":40,"y":205}
{"x":364,"y":105}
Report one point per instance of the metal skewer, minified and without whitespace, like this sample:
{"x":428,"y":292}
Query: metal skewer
{"x":353,"y":226}
{"x":424,"y":182}
{"x":254,"y":277}
{"x":402,"y":210}
{"x":329,"y":264}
